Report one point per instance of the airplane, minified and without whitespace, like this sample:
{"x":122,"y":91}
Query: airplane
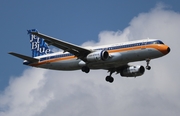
{"x":113,"y":58}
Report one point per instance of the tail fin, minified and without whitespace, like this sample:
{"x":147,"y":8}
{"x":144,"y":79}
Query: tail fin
{"x":38,"y":45}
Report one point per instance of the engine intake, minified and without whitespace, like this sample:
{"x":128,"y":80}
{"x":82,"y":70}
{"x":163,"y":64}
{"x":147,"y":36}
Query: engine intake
{"x":98,"y":56}
{"x":133,"y":71}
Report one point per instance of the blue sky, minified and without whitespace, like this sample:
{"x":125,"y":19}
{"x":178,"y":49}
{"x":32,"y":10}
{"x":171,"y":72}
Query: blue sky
{"x":73,"y":21}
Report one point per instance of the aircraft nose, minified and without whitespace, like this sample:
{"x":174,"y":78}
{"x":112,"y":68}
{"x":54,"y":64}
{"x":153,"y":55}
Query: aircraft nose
{"x":168,"y":49}
{"x":164,"y":49}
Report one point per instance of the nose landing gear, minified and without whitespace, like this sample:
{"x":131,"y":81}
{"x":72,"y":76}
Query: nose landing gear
{"x":148,"y":67}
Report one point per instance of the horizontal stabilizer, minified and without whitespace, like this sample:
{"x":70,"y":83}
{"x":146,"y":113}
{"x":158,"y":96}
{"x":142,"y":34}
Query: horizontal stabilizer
{"x":30,"y":59}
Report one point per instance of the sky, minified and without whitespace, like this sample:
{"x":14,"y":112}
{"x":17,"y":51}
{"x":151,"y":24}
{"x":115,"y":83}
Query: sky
{"x":41,"y":92}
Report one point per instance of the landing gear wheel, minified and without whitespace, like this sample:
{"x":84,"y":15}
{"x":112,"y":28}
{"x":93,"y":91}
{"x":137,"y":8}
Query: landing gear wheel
{"x":85,"y":69}
{"x":148,"y":67}
{"x":109,"y":79}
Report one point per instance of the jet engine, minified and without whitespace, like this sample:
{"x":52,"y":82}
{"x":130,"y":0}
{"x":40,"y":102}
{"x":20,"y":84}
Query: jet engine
{"x":98,"y":56}
{"x":133,"y":71}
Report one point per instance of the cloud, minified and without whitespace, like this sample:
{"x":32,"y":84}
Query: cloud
{"x":40,"y":92}
{"x":108,"y":37}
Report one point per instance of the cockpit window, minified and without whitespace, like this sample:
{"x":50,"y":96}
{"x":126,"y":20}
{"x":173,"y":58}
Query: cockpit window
{"x":158,"y":42}
{"x":155,"y":42}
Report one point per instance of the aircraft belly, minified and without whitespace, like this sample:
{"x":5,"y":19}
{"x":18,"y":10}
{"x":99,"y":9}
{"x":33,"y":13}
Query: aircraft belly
{"x":67,"y":65}
{"x":62,"y":65}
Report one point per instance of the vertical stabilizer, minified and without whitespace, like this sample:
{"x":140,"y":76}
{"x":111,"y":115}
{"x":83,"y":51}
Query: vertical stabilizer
{"x":38,"y":45}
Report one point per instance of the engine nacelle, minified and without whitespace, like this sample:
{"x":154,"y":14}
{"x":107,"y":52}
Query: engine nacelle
{"x":98,"y":56}
{"x":133,"y":71}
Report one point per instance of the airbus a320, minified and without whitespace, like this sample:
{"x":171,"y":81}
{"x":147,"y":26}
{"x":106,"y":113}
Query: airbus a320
{"x":113,"y":58}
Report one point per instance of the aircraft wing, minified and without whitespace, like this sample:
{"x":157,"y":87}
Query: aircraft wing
{"x":67,"y":47}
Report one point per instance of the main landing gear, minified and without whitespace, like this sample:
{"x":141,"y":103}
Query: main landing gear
{"x":85,"y":69}
{"x":110,"y":78}
{"x":148,"y":67}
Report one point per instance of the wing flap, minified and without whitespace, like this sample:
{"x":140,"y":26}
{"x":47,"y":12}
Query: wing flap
{"x":30,"y":59}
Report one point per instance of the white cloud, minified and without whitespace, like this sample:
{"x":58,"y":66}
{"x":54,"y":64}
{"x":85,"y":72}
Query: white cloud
{"x":21,"y":96}
{"x":41,"y":92}
{"x":109,"y":37}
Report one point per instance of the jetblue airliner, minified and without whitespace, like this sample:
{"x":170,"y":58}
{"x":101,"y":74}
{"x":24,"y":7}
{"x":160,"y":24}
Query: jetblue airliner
{"x":113,"y":58}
